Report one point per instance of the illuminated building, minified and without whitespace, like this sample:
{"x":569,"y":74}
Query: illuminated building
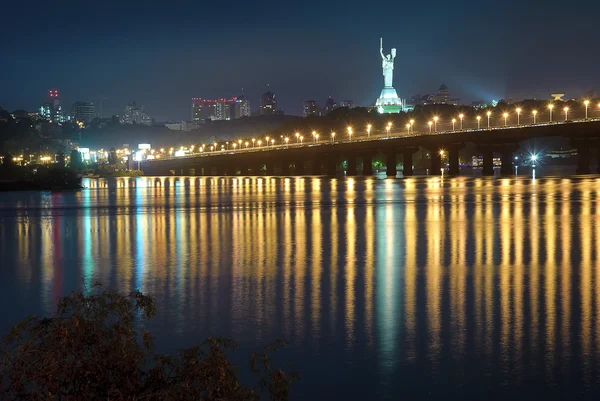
{"x":52,"y":109}
{"x":219,"y":109}
{"x":268,"y":104}
{"x":135,"y":114}
{"x":330,"y":105}
{"x":83,"y":112}
{"x":311,"y":108}
{"x":241,"y":107}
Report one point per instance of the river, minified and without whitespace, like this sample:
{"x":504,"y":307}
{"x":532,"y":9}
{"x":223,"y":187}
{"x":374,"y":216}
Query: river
{"x":418,"y":288}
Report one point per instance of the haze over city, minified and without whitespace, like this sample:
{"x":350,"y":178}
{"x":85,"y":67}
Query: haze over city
{"x":161,"y":54}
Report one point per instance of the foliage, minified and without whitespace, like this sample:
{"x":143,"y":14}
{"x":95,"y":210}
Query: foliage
{"x":91,"y":349}
{"x":56,"y":177}
{"x":76,"y":163}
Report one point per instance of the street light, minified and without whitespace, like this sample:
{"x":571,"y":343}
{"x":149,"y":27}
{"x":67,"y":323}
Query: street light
{"x":350,"y":133}
{"x":453,"y":124}
{"x":246,"y":144}
{"x":287,"y":140}
{"x":435,"y":120}
{"x":212,"y":148}
{"x":387,"y":128}
{"x":430,"y":125}
{"x":234,"y":146}
{"x":317,"y":138}
{"x":412,"y":122}
{"x":534,"y":115}
{"x":550,"y":107}
{"x":314,"y":133}
{"x":461,"y":116}
{"x":301,"y":139}
{"x":505,"y":117}
{"x":369,"y":130}
{"x":489,"y":113}
{"x":240,"y":143}
{"x":332,"y":137}
{"x":407,"y":128}
{"x":253,"y":140}
{"x":518,"y":116}
{"x":272,"y":142}
{"x":267,"y":138}
{"x":478,"y":122}
{"x":587,"y":103}
{"x":566,"y":113}
{"x":259,"y":143}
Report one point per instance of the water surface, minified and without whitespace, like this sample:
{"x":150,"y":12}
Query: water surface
{"x":420,"y":288}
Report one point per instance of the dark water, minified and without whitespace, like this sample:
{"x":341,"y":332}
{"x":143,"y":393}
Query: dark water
{"x":462,"y":288}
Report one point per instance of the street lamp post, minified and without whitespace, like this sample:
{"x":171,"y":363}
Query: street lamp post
{"x":412,"y":122}
{"x":301,"y":139}
{"x":435,"y":120}
{"x":461,"y":116}
{"x":287,"y":140}
{"x":550,"y":107}
{"x":407,"y":128}
{"x":368,"y":130}
{"x":297,"y":137}
{"x":388,"y":128}
{"x":566,"y":113}
{"x":518,"y":116}
{"x":478,"y":122}
{"x":534,"y":116}
{"x":314,"y":133}
{"x":350,"y":133}
{"x":489,"y":113}
{"x":267,"y":138}
{"x":317,"y":138}
{"x":253,"y":140}
{"x":453,"y":124}
{"x":505,"y":119}
{"x":430,"y":125}
{"x":332,"y":137}
{"x":587,"y":103}
{"x":259,"y":143}
{"x":272,"y":142}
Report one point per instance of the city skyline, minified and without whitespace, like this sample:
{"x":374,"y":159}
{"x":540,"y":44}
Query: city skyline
{"x":482,"y":61}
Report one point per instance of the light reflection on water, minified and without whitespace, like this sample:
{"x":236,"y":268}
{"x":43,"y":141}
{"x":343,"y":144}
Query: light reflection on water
{"x":477,"y":287}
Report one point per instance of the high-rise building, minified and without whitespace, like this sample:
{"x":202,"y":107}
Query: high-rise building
{"x":219,"y":109}
{"x":83,"y":112}
{"x":241,"y":107}
{"x":330,"y":104}
{"x":52,"y":110}
{"x":268,"y":104}
{"x":135,"y":114}
{"x":311,"y":108}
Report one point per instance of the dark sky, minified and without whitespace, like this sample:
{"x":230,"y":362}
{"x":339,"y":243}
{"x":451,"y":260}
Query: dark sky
{"x":162,"y":53}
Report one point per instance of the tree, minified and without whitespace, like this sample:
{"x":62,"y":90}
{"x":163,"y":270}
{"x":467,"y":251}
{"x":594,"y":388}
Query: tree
{"x":112,"y":156}
{"x":91,"y":349}
{"x":76,"y":162}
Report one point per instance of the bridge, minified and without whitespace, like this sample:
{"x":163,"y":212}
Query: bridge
{"x":318,"y":155}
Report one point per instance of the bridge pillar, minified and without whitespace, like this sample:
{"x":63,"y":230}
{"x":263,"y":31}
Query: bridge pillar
{"x":367,"y":165}
{"x":351,"y":171}
{"x":407,"y":162}
{"x":436,"y":163}
{"x":454,"y":166}
{"x":507,"y":162}
{"x":332,"y":164}
{"x":488,"y":162}
{"x":285,"y":167}
{"x":315,"y":167}
{"x":299,"y":167}
{"x":583,"y":159}
{"x":390,"y":164}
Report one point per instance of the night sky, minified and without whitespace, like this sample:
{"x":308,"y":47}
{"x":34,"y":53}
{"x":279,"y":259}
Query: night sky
{"x":162,"y":53}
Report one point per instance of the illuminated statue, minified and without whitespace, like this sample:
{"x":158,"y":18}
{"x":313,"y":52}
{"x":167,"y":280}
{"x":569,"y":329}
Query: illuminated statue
{"x":388,"y":65}
{"x":388,"y":101}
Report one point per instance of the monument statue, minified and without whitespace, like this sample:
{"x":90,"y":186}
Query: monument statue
{"x":387,"y":64}
{"x":388,"y":101}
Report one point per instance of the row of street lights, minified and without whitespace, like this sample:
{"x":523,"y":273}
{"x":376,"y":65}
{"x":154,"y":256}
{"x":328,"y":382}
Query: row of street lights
{"x":432,"y":124}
